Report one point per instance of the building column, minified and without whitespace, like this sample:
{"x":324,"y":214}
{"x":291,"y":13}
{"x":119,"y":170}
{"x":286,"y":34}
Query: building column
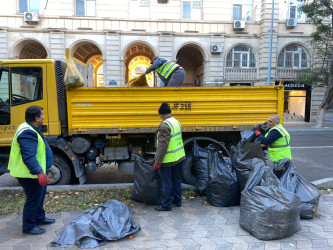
{"x":265,"y":26}
{"x":4,"y":50}
{"x":214,"y":69}
{"x":113,"y":65}
{"x":57,"y":45}
{"x":166,"y":47}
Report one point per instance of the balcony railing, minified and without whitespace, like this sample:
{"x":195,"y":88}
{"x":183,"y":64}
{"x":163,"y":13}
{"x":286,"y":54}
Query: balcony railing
{"x":290,"y":74}
{"x":241,"y":74}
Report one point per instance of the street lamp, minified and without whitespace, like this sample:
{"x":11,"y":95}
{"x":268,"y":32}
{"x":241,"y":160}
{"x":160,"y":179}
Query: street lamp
{"x":270,"y":48}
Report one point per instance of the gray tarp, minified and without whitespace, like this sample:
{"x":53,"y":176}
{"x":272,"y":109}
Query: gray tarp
{"x":98,"y":226}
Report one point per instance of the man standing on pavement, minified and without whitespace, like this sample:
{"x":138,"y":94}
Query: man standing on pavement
{"x":169,"y":155}
{"x":30,"y":157}
{"x":277,"y":139}
{"x":171,"y":74}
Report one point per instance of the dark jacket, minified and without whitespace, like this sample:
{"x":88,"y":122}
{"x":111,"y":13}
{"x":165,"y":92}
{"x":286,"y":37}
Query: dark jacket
{"x":163,"y":143}
{"x":28,"y":141}
{"x":157,"y":63}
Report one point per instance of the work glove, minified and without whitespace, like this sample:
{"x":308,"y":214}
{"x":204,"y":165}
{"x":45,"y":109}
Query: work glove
{"x":43,"y":179}
{"x":264,"y":147}
{"x":156,"y":166}
{"x":257,"y":132}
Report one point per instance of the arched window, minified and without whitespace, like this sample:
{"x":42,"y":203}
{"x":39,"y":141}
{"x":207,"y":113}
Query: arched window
{"x":294,"y":56}
{"x":241,"y":56}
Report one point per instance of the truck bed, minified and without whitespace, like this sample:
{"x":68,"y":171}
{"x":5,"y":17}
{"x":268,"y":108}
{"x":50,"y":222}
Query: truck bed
{"x":135,"y":110}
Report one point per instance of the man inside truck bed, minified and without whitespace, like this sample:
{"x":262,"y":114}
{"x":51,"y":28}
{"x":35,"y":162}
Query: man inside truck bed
{"x":278,"y":141}
{"x":30,"y":157}
{"x":171,"y":74}
{"x":168,"y":159}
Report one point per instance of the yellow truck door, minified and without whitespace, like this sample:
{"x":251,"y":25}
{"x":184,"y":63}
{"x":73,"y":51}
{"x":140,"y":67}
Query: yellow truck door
{"x":22,"y":84}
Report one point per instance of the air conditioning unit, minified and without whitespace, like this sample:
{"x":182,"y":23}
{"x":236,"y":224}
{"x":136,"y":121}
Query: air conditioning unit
{"x":216,"y":48}
{"x":31,"y":17}
{"x":162,"y":1}
{"x":239,"y":25}
{"x":291,"y":23}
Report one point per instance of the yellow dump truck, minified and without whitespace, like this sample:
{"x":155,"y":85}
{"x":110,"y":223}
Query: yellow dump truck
{"x":87,"y":127}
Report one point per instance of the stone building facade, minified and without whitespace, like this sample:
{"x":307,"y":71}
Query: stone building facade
{"x":217,"y":42}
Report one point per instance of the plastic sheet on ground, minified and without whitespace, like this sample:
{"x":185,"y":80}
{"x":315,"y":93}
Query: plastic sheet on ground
{"x":200,"y":163}
{"x":267,"y":210}
{"x":139,"y":81}
{"x":147,"y":182}
{"x":248,"y":148}
{"x":294,"y":182}
{"x":222,"y":188}
{"x":98,"y":226}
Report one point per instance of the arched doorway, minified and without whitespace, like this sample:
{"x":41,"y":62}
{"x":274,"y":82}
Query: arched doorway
{"x":88,"y":59}
{"x":29,"y":49}
{"x":137,"y":59}
{"x":192,"y":60}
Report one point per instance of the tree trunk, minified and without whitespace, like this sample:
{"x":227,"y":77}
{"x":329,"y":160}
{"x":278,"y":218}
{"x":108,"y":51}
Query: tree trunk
{"x":320,"y":118}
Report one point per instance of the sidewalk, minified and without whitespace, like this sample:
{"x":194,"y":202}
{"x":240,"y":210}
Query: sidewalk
{"x":308,"y":127}
{"x":196,"y":225}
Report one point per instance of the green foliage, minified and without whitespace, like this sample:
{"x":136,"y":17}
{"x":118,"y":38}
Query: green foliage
{"x":319,"y":13}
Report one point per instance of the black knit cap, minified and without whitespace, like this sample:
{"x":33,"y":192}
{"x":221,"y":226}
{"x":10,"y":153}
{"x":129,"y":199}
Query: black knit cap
{"x":164,"y":109}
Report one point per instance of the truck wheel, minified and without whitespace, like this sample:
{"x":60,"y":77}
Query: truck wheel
{"x":186,"y":170}
{"x":61,"y":171}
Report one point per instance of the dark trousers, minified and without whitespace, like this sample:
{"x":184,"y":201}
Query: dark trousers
{"x":33,"y":211}
{"x":171,"y":185}
{"x":177,"y":78}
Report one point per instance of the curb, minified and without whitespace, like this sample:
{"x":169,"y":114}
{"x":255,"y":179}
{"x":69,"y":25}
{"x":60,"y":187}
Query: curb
{"x":87,"y":187}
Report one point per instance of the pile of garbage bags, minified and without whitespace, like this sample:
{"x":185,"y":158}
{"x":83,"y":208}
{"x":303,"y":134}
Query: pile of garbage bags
{"x":98,"y":226}
{"x":269,"y":208}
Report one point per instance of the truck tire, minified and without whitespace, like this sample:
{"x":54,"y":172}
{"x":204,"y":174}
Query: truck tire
{"x":186,"y":170}
{"x":61,"y":171}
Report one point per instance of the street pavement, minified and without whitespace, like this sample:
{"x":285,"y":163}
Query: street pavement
{"x":196,"y":225}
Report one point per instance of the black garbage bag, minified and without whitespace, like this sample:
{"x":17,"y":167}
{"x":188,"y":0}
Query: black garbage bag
{"x":147,"y":182}
{"x":248,"y":148}
{"x":200,"y":163}
{"x":294,"y":182}
{"x":98,"y":226}
{"x":261,"y":127}
{"x":267,"y":210}
{"x":222,"y":188}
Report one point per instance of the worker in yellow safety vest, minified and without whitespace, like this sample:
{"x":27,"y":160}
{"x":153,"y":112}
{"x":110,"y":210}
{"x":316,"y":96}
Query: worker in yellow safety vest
{"x":171,"y":74}
{"x":30,"y":157}
{"x":168,"y":158}
{"x":277,"y":139}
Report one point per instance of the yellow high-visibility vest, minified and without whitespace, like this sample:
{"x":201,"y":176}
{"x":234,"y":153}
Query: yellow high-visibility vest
{"x":175,"y":149}
{"x":281,"y":147}
{"x":16,"y":165}
{"x":167,"y":68}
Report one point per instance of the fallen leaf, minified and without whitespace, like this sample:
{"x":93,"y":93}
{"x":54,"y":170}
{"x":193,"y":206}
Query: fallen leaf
{"x":291,"y":244}
{"x":132,"y":236}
